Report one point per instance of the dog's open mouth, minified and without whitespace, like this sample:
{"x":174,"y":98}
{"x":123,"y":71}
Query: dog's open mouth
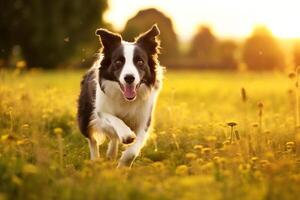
{"x":129,"y":91}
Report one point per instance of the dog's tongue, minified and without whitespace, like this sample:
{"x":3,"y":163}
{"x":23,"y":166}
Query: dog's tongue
{"x":129,"y":91}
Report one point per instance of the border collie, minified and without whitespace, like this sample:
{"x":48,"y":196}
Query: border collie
{"x":118,"y":94}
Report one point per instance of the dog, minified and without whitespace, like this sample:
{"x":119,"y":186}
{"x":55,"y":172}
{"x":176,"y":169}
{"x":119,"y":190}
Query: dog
{"x":118,"y":94}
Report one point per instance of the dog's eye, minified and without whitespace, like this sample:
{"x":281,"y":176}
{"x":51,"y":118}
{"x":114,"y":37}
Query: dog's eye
{"x":140,"y":62}
{"x":118,"y":62}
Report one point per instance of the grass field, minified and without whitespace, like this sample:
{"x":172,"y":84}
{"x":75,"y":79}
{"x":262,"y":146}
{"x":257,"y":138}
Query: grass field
{"x":193,"y":152}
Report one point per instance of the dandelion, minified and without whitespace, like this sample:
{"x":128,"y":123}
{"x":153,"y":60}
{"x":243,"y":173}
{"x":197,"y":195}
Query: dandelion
{"x":198,"y":147}
{"x":264,"y":163}
{"x":190,"y":156}
{"x":206,"y":151}
{"x":290,"y":147}
{"x":58,"y":131}
{"x":159,"y":165}
{"x":231,"y":125}
{"x":29,"y":169}
{"x":182,"y":170}
{"x":254,"y":159}
{"x":25,"y":126}
{"x":16,"y":180}
{"x":23,"y":141}
{"x":290,"y":144}
{"x":216,"y":159}
{"x":8,"y":137}
{"x":244,"y":168}
{"x":4,"y":137}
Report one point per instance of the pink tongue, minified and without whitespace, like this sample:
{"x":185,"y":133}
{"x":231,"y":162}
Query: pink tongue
{"x":129,"y":91}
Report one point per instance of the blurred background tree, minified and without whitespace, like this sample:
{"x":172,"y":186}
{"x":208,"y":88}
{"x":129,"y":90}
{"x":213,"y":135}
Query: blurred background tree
{"x":143,"y":20}
{"x":210,"y":53}
{"x":262,"y":52}
{"x":204,"y":48}
{"x":49,"y":32}
{"x":228,"y":55}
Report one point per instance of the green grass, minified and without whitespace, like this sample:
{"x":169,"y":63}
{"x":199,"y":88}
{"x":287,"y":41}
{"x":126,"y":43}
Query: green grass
{"x":190,"y":154}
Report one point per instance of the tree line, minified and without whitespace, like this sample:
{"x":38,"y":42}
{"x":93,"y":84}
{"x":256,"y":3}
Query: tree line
{"x":260,"y":51}
{"x":49,"y":34}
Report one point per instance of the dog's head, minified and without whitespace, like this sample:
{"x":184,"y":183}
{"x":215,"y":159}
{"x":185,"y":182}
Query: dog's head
{"x":131,"y":65}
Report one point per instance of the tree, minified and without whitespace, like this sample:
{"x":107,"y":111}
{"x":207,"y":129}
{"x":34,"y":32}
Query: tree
{"x":204,"y":47}
{"x":262,"y":52}
{"x":143,"y":20}
{"x":48,"y":32}
{"x":227,"y":51}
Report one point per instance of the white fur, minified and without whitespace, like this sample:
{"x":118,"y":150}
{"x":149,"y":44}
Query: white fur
{"x":113,"y":115}
{"x":129,"y":67}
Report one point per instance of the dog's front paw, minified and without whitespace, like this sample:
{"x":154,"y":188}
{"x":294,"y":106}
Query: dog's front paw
{"x":128,"y":140}
{"x":127,"y":159}
{"x":126,"y":135}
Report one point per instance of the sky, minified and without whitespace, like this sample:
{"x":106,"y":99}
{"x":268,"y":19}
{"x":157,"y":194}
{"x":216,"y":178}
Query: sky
{"x":227,"y":18}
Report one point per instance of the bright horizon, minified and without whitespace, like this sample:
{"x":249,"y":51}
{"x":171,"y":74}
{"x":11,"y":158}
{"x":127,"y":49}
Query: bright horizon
{"x":230,"y":18}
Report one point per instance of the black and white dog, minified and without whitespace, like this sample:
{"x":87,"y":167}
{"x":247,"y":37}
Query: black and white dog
{"x":119,"y":92}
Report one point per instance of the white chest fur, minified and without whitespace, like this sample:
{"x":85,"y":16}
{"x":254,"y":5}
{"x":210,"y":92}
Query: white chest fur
{"x":132,"y":113}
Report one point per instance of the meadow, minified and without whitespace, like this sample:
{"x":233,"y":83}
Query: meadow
{"x":217,"y":135}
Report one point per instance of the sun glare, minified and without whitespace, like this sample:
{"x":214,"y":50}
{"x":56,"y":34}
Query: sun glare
{"x":232,"y":18}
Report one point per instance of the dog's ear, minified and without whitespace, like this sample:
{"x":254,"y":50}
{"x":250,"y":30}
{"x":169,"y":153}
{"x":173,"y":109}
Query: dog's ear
{"x":107,"y":38}
{"x":149,"y":40}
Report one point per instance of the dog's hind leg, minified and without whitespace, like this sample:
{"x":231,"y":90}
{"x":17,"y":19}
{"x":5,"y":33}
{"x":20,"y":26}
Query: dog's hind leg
{"x":95,"y":139}
{"x":112,"y":151}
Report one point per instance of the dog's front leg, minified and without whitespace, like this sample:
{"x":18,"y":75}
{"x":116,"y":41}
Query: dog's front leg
{"x":130,"y":154}
{"x":113,"y":127}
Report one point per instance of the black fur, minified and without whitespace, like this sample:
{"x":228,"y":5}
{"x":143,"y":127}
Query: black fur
{"x":85,"y":103}
{"x":109,"y":70}
{"x":149,"y":42}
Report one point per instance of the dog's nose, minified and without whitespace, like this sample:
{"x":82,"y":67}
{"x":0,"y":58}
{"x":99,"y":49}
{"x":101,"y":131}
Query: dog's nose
{"x":129,"y":78}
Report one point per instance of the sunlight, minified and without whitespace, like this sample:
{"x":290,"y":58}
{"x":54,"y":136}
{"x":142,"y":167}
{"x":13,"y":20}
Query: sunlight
{"x":231,"y":18}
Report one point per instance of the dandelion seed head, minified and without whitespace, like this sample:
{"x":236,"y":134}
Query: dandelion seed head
{"x":232,"y":124}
